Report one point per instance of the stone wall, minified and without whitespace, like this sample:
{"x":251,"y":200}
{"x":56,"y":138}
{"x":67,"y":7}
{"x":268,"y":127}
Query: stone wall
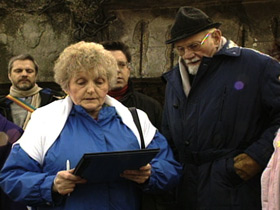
{"x":44,"y":28}
{"x":253,"y":25}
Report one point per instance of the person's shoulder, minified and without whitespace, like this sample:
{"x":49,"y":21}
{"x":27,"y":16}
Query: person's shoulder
{"x":3,"y":98}
{"x":4,"y":101}
{"x":147,"y":101}
{"x":50,"y":107}
{"x":174,"y":73}
{"x":171,"y":71}
{"x":54,"y":93}
{"x":255,"y":53}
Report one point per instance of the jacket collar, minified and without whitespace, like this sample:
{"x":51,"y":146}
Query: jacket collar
{"x":173,"y":78}
{"x":230,"y":49}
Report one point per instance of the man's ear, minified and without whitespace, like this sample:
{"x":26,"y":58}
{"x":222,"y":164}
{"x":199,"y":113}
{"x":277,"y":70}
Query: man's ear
{"x":129,"y":68}
{"x":9,"y":76}
{"x":217,"y":35}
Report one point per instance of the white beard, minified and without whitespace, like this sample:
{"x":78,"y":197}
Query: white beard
{"x":192,"y":68}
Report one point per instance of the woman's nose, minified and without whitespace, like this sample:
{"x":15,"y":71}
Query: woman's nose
{"x":91,"y":87}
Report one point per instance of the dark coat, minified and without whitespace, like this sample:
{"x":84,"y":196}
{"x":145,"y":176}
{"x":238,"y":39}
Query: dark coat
{"x":146,"y":103}
{"x":153,"y":109}
{"x":47,"y":96}
{"x":233,"y":107}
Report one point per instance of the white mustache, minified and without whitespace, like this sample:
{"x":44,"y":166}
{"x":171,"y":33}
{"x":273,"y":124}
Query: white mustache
{"x":187,"y":61}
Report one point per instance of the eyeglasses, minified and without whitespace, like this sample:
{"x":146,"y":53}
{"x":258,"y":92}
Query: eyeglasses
{"x":195,"y":46}
{"x":122,"y":64}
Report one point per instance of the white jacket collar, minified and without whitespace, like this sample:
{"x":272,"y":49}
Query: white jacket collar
{"x":47,"y":123}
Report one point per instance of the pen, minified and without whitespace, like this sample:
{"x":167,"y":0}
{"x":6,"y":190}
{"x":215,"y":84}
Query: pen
{"x":67,"y":165}
{"x":68,"y":168}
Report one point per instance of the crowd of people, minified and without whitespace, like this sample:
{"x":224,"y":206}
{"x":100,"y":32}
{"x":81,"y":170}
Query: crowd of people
{"x":217,"y":131}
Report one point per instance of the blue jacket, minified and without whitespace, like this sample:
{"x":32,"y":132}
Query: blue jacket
{"x":233,"y":107}
{"x":27,"y":181}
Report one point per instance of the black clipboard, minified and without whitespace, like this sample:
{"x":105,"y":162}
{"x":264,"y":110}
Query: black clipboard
{"x":107,"y":166}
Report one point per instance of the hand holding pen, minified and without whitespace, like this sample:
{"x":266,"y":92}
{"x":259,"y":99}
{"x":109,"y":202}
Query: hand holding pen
{"x":65,"y":181}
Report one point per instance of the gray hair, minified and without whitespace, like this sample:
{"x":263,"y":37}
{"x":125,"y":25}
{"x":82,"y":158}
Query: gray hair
{"x":84,"y":57}
{"x":22,"y":57}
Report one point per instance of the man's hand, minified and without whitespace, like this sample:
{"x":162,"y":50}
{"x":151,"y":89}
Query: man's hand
{"x":140,"y":176}
{"x":65,"y":182}
{"x":245,"y":166}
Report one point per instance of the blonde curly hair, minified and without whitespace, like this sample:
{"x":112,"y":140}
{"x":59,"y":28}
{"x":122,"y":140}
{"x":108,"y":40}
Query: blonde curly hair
{"x":84,"y":57}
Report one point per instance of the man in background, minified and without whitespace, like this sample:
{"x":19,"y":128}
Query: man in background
{"x":221,"y":113}
{"x":24,"y":97}
{"x":124,"y":91}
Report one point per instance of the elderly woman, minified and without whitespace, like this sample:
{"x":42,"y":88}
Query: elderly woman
{"x":86,"y":121}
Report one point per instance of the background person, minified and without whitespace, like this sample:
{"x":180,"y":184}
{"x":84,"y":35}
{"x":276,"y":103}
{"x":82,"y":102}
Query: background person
{"x":221,"y":113}
{"x":124,"y":91}
{"x":23,"y":72}
{"x":9,"y":134}
{"x":24,"y":97}
{"x":86,"y":121}
{"x":270,"y":180}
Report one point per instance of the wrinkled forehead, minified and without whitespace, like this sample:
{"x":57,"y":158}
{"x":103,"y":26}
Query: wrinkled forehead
{"x":23,"y":63}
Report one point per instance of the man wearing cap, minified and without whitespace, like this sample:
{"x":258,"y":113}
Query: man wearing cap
{"x":222,"y":109}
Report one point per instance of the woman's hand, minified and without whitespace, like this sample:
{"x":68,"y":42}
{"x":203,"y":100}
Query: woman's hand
{"x":140,"y":176}
{"x":65,"y":182}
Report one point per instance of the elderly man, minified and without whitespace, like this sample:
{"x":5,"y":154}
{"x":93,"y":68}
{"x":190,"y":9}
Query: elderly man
{"x":25,"y":95}
{"x":222,"y":110}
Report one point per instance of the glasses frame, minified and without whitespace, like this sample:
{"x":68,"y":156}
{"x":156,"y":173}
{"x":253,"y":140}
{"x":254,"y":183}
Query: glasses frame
{"x":194,"y":46}
{"x":122,"y":64}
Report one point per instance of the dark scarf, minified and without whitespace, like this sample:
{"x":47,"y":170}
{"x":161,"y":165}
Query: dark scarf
{"x":118,"y":94}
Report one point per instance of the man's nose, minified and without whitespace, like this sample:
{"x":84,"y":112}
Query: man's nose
{"x":188,"y":54}
{"x":24,"y":72}
{"x":119,"y":69}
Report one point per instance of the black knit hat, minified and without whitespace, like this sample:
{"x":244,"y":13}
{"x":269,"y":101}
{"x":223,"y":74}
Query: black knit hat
{"x":190,"y":21}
